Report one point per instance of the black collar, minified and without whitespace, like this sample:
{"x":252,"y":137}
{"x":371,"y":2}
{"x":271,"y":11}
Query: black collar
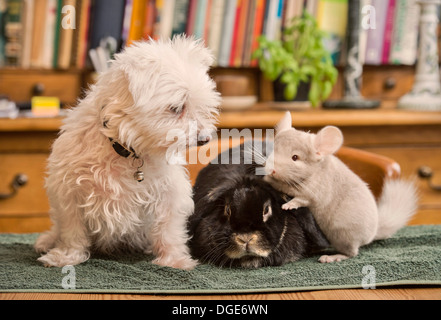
{"x":121,"y":149}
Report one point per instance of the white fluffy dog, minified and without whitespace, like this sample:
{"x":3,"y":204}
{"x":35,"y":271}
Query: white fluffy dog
{"x":118,"y":133}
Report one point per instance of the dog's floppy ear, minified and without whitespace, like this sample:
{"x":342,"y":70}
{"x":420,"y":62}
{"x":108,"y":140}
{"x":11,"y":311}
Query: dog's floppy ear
{"x":195,"y":48}
{"x":142,"y":81}
{"x":141,"y":69}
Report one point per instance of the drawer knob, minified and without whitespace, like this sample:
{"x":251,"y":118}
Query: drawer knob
{"x":389,"y":83}
{"x":426,"y":172}
{"x":38,"y":89}
{"x":19,"y":181}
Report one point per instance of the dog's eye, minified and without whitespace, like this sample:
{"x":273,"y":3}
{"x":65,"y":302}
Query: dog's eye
{"x":267,"y":211}
{"x":176,"y":109}
{"x":295,"y":157}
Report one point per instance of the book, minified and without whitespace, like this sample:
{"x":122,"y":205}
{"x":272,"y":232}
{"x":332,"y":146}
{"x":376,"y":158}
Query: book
{"x":167,"y":16}
{"x":332,"y":18}
{"x":375,"y":36}
{"x":57,"y":31}
{"x":149,"y":19}
{"x":192,"y":8}
{"x":65,"y":43}
{"x":127,"y":18}
{"x":28,"y":23}
{"x":405,"y":33}
{"x":82,"y":33}
{"x":179,"y":23}
{"x":388,"y":29}
{"x":106,"y":21}
{"x":3,"y":10}
{"x":136,"y":21}
{"x":234,"y":39}
{"x":13,"y":33}
{"x":257,"y":28}
{"x":215,"y":31}
{"x":227,"y":34}
{"x":47,"y":46}
{"x":248,"y":37}
{"x":237,"y":55}
{"x":199,"y":21}
{"x":270,"y":19}
{"x":38,"y":33}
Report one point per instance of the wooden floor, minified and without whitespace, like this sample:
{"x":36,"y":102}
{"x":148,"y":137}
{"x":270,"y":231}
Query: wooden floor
{"x":401,"y":293}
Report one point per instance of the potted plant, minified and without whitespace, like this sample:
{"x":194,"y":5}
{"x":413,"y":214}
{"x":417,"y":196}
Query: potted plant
{"x":299,"y":58}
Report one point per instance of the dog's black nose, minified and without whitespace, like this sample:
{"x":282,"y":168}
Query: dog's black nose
{"x":203,"y":141}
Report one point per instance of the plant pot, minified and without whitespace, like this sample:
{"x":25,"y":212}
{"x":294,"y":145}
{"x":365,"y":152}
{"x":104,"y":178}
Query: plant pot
{"x":300,"y":101}
{"x":279,"y":89}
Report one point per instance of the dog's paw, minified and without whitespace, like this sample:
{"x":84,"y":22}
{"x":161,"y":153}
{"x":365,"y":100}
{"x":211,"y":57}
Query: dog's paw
{"x":182,"y":263}
{"x":45,"y":242}
{"x":62,"y":257}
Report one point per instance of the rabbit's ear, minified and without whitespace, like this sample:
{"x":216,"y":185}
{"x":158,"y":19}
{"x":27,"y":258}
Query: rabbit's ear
{"x":215,"y":193}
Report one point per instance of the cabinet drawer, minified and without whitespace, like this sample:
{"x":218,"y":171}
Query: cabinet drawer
{"x":387,"y":82}
{"x":31,"y":199}
{"x":24,"y":84}
{"x":410,"y":159}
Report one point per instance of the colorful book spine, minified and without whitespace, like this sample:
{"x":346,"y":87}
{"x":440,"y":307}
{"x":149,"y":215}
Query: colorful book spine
{"x":227,"y":34}
{"x":13,"y":33}
{"x":180,"y":17}
{"x":199,"y":23}
{"x":332,"y":18}
{"x":375,"y":37}
{"x":215,"y":30}
{"x":136,"y":21}
{"x":405,"y":34}
{"x":258,"y":25}
{"x":388,"y":29}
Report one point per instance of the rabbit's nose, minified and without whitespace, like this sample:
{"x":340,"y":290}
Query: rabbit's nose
{"x":273,"y":172}
{"x":245,"y":239}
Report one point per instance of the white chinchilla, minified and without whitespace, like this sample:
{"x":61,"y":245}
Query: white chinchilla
{"x":303,"y":165}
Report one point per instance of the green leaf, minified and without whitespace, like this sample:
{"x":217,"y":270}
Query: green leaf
{"x":290,"y":91}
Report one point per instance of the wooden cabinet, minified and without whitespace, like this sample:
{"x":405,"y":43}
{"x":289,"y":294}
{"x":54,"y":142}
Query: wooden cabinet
{"x":20,"y":85}
{"x":24,"y":148}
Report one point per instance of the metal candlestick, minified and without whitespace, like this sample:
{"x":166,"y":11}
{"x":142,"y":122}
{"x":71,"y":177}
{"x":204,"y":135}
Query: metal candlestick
{"x":354,"y":69}
{"x":426,"y":90}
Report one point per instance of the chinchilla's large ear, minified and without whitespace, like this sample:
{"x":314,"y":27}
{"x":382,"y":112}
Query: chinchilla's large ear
{"x":285,"y":123}
{"x":328,"y":141}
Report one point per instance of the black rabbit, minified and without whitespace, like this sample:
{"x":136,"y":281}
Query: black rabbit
{"x":238,"y":220}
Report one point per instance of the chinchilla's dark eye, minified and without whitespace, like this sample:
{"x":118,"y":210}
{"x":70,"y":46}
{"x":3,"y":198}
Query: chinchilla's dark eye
{"x":295,"y":157}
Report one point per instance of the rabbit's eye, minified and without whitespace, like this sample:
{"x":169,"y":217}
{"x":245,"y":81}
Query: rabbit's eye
{"x":227,"y":210}
{"x":267,"y":211}
{"x":295,"y":157}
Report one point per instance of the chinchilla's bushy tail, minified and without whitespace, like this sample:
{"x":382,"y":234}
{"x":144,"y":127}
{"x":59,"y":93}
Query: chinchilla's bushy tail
{"x":397,"y":204}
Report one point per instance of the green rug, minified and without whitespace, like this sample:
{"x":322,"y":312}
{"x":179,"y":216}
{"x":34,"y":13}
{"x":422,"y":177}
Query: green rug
{"x":411,"y":257}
